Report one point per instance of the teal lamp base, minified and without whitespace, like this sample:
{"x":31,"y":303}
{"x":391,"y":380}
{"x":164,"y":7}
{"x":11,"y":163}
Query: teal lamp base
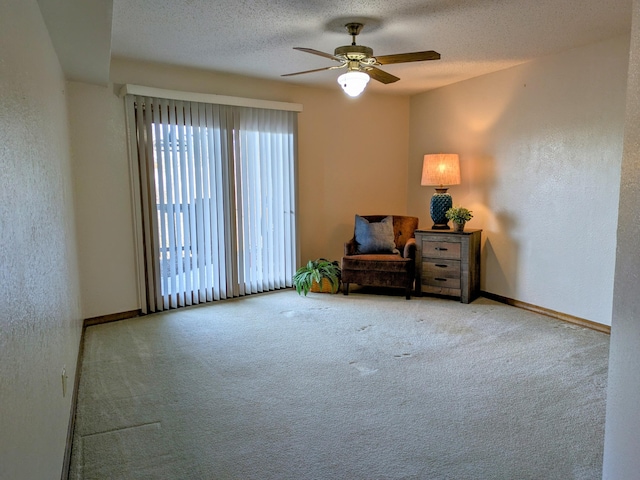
{"x":440,"y":202}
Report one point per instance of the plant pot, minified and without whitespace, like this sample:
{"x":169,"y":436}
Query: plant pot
{"x":323,"y":287}
{"x":458,"y":227}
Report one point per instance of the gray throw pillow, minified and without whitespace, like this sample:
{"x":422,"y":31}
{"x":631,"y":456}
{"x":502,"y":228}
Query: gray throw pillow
{"x":375,"y":237}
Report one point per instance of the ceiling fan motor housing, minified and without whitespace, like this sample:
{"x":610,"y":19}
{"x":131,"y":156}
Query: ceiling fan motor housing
{"x":354,"y":52}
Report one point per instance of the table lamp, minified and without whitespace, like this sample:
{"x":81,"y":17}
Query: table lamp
{"x":440,"y":170}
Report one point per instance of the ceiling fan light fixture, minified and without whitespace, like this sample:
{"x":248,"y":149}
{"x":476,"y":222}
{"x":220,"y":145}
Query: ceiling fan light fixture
{"x":353,"y":82}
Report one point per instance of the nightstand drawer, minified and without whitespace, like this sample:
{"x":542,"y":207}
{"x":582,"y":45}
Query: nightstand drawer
{"x":441,"y":250}
{"x":441,"y":273}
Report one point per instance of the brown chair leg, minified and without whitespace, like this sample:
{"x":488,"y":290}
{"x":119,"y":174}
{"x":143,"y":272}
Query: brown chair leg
{"x":408,"y":293}
{"x":345,"y":288}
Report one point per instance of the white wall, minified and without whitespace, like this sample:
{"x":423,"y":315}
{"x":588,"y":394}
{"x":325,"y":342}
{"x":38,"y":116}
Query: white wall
{"x":103,"y":210}
{"x":622,"y":428}
{"x":352,"y":159}
{"x":540,"y":147}
{"x":40,"y":320}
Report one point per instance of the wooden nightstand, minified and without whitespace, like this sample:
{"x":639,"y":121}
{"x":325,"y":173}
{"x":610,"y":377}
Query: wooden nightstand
{"x":448,"y":263}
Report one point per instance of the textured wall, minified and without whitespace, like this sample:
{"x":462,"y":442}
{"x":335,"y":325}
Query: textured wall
{"x":622,"y":430}
{"x":40,"y":321}
{"x":541,"y":147}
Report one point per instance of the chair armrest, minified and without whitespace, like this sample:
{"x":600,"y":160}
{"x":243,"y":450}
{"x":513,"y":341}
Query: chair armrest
{"x":351,"y":247}
{"x":410,"y":249}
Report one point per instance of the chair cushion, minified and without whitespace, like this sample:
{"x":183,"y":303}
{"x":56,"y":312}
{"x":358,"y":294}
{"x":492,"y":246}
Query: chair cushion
{"x":375,"y":237}
{"x":380,"y":262}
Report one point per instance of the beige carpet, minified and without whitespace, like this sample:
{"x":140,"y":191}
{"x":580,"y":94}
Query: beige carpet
{"x":277,"y":386}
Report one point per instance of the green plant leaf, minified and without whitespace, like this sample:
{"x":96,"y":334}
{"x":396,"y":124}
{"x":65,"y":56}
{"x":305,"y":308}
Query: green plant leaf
{"x":459,"y":214}
{"x":316,"y":270}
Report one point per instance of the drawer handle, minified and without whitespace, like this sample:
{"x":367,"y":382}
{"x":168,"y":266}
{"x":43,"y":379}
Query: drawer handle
{"x":442,"y":249}
{"x":440,"y":279}
{"x":441,"y":266}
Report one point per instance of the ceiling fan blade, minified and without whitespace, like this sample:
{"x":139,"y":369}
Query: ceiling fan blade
{"x":318,"y":52}
{"x":381,"y":75}
{"x":308,"y":71}
{"x":408,"y":57}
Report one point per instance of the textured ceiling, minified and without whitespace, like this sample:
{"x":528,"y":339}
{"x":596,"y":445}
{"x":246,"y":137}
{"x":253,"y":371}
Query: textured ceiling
{"x":256,"y":37}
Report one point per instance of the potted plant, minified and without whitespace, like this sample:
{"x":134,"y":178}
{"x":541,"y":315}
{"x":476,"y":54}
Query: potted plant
{"x":459,"y":216}
{"x":319,"y":275}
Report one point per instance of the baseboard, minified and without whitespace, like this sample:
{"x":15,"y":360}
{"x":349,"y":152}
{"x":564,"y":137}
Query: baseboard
{"x":549,"y":313}
{"x":66,"y":464}
{"x":114,"y":317}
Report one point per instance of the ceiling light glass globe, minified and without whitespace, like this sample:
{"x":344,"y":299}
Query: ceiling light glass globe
{"x":353,"y":82}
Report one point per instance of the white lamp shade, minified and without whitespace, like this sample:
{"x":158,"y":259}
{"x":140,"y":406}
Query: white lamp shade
{"x":353,"y":83}
{"x":441,"y":169}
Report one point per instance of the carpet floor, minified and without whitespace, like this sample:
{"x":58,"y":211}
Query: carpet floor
{"x":365,"y":386}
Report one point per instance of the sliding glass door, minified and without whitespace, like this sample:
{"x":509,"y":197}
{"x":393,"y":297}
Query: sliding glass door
{"x":216,"y":198}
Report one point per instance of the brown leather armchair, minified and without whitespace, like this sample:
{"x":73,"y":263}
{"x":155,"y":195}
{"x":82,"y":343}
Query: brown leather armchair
{"x":383,"y":267}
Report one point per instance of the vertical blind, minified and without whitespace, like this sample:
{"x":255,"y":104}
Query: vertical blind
{"x":216,"y":198}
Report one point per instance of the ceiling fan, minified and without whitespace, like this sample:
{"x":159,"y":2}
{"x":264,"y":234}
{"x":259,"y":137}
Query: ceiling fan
{"x":361,"y":64}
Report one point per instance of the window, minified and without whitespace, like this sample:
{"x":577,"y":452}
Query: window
{"x":216,"y":186}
